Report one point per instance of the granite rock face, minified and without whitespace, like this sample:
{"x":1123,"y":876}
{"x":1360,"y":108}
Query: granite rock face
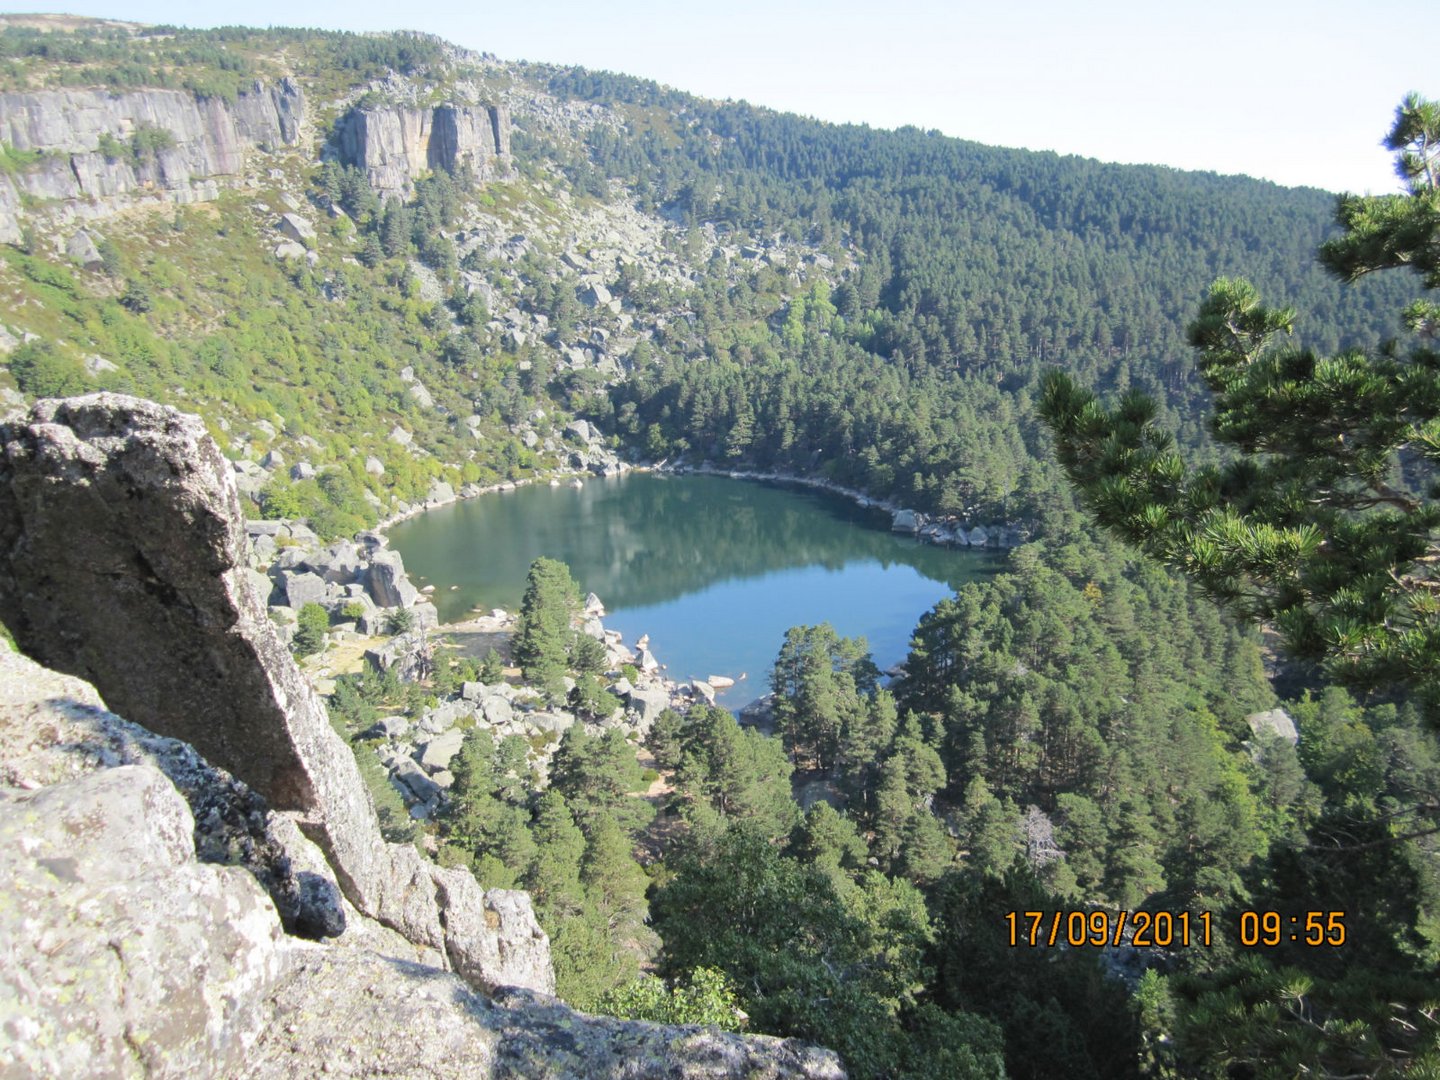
{"x":360,"y":1014}
{"x":123,"y":562}
{"x":123,"y":567}
{"x":394,"y":145}
{"x":128,"y":954}
{"x":108,"y":920}
{"x":209,"y":138}
{"x":54,"y":727}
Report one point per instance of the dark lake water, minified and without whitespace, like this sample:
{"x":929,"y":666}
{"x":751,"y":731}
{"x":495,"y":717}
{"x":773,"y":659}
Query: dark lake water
{"x":714,"y":569}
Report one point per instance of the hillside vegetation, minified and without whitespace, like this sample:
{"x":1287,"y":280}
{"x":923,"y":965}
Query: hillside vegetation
{"x":704,"y":282}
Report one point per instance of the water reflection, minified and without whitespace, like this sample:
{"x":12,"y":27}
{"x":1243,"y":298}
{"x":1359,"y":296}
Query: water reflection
{"x":715,"y":570}
{"x":647,"y":539}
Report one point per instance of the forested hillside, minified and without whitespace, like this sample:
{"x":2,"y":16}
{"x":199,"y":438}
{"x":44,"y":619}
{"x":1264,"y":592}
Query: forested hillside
{"x":873,"y":305}
{"x":716,"y":283}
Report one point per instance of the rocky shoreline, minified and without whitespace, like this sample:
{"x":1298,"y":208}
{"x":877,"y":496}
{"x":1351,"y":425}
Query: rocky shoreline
{"x":949,"y":531}
{"x":944,"y":530}
{"x":363,"y":586}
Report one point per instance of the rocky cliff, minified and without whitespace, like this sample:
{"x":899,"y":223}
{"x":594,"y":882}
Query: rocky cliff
{"x":396,"y":144}
{"x":152,"y":889}
{"x":125,"y":563}
{"x":137,"y":944}
{"x":91,"y":162}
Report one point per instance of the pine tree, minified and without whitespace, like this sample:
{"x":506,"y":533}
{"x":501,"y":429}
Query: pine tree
{"x":596,"y":775}
{"x":492,"y":669}
{"x":554,"y":875}
{"x":544,"y":635}
{"x":1326,"y":524}
{"x":665,"y":739}
{"x":828,"y":841}
{"x":310,"y":630}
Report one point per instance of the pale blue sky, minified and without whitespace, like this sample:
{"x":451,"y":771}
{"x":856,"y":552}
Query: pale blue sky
{"x":1296,"y":93}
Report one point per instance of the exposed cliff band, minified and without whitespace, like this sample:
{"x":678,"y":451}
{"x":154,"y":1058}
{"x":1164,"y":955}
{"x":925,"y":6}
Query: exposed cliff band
{"x":394,"y":145}
{"x":90,"y":166}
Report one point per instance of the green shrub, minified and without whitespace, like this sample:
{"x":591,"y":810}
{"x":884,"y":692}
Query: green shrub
{"x":492,"y":669}
{"x":312,"y":623}
{"x":41,"y":370}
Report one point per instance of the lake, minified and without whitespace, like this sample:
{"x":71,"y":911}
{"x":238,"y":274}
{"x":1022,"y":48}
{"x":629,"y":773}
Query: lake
{"x":714,"y":569}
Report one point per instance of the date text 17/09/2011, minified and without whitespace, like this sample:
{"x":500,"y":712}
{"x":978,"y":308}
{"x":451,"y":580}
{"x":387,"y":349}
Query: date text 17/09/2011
{"x":1172,"y":929}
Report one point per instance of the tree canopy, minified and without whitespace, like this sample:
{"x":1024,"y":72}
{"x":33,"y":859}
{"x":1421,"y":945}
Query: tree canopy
{"x":1325,"y":522}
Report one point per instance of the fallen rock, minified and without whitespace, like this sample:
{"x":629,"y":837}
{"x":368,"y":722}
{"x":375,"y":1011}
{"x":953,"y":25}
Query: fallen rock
{"x":497,"y":710}
{"x":81,"y":247}
{"x":425,"y":614}
{"x":907,"y":521}
{"x":386,"y":580}
{"x":340,"y":563}
{"x":416,"y":780}
{"x":297,"y":229}
{"x":391,"y":727}
{"x":1275,"y":722}
{"x":445,"y":716}
{"x":408,"y":654}
{"x":648,"y":703}
{"x":302,"y":589}
{"x":555,"y":722}
{"x":437,"y":753}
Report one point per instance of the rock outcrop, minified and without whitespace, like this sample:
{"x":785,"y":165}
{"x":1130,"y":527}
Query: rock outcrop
{"x":109,"y":918}
{"x":125,"y":564}
{"x":395,"y":145}
{"x":140,"y":936}
{"x":91,"y":164}
{"x":54,"y":727}
{"x":1274,"y":723}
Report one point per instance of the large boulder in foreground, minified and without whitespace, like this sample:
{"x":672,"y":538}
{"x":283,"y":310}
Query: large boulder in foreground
{"x":123,"y":545}
{"x":123,"y":561}
{"x":54,"y":727}
{"x":131,"y":949}
{"x":109,"y":920}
